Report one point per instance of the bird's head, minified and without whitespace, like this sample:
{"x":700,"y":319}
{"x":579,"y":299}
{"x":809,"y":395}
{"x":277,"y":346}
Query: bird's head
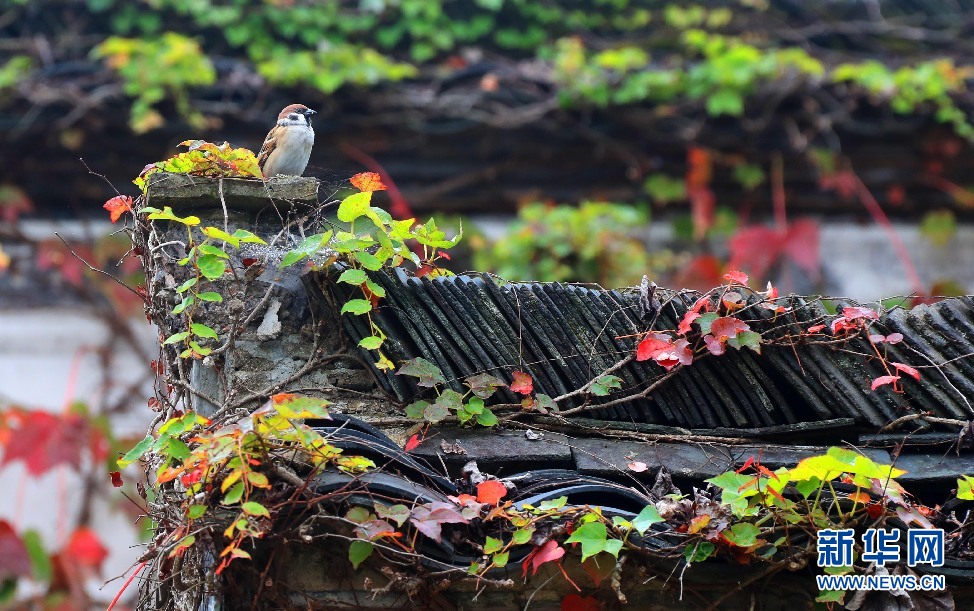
{"x":295,"y":114}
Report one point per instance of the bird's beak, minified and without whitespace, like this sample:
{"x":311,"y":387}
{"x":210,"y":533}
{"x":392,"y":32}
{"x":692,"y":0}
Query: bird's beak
{"x":310,"y":112}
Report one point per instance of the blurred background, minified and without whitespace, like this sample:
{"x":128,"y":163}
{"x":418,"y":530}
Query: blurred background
{"x":824,"y":146}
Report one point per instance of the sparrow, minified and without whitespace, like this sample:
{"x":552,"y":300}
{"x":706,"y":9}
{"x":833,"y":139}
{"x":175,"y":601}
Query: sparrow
{"x":287,"y":147}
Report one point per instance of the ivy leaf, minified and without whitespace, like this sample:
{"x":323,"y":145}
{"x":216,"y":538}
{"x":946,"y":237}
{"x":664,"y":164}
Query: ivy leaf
{"x":117,"y":206}
{"x":372,"y":342}
{"x":486,"y":418}
{"x":248,"y":237}
{"x":368,"y":261}
{"x":234,"y":495}
{"x":210,"y":296}
{"x":210,"y":249}
{"x":398,"y":513}
{"x":698,"y":552}
{"x":354,"y":277}
{"x":522,"y":384}
{"x":136,"y":452}
{"x":746,"y":339}
{"x":211,"y":266}
{"x":594,"y":539}
{"x":367,"y":182}
{"x":354,"y":206}
{"x":201,"y":330}
{"x":646,"y":518}
{"x":359,"y":551}
{"x":429,"y":374}
{"x":357,"y":306}
{"x":483,"y":384}
{"x":605,"y":385}
{"x":742,"y":534}
{"x":309,"y":246}
{"x":255,"y":509}
{"x":416,"y":409}
{"x":550,"y":551}
{"x":223,"y":236}
{"x":491,"y":492}
{"x":435,"y":412}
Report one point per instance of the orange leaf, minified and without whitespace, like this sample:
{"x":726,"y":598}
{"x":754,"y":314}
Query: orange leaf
{"x":368,"y":181}
{"x":699,"y":523}
{"x":117,"y":206}
{"x":491,"y":492}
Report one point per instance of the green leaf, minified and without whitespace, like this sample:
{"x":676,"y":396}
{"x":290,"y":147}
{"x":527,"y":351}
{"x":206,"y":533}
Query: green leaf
{"x":177,"y":449}
{"x":749,"y":339}
{"x":182,"y":288}
{"x":40,"y":561}
{"x":354,"y":206}
{"x":166,"y":214}
{"x":965,"y":488}
{"x":486,"y":418}
{"x":435,"y":412}
{"x":483,"y":384}
{"x":553,"y":504}
{"x":359,"y":551}
{"x":377,"y":290}
{"x":417,"y":409}
{"x":201,"y":330}
{"x":196,"y":511}
{"x":176,"y":337}
{"x":742,"y":534}
{"x":357,"y":306}
{"x":830,"y":596}
{"x":646,"y":518}
{"x":187,"y":301}
{"x":255,"y":509}
{"x":698,"y":552}
{"x":500,"y":560}
{"x":234,"y":494}
{"x":492,"y":545}
{"x":475,"y":405}
{"x":398,"y":513}
{"x":354,"y":277}
{"x":522,"y":535}
{"x":247,"y":237}
{"x":309,"y":246}
{"x":209,"y":249}
{"x":372,"y":342}
{"x":705,"y":320}
{"x":219,"y":234}
{"x":593,"y":537}
{"x":429,"y":374}
{"x":368,"y":261}
{"x":136,"y":453}
{"x":605,"y":385}
{"x":210,"y":296}
{"x":211,"y":267}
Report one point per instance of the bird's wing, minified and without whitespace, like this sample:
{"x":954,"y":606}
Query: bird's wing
{"x":270,"y":144}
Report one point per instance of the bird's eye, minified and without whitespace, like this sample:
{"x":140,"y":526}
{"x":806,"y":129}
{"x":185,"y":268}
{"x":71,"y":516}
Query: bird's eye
{"x":293,"y":116}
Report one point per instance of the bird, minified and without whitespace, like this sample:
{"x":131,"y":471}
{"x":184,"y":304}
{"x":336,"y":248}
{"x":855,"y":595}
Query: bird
{"x":287,"y":147}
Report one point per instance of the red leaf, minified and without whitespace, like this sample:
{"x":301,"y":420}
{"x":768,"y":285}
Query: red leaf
{"x":662,"y":349}
{"x":575,"y":602}
{"x":651,"y":346}
{"x":688,"y":318}
{"x":85,"y":549}
{"x":747,"y":463}
{"x":715,"y":347}
{"x":117,"y":206}
{"x":913,"y":373}
{"x":726,"y":327}
{"x":14,"y":560}
{"x":522,"y":383}
{"x":491,"y":492}
{"x":702,"y":304}
{"x":894,"y":338}
{"x":547,"y":552}
{"x":883,"y":380}
{"x":44,"y":440}
{"x":248,"y":261}
{"x":736,"y":276}
{"x":413,"y":442}
{"x":116,"y":478}
{"x":802,"y":245}
{"x":702,"y":272}
{"x":874,"y":510}
{"x":637,"y":466}
{"x":368,"y":181}
{"x":815,"y":328}
{"x":855,"y":313}
{"x":772,"y":292}
{"x":428,"y":518}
